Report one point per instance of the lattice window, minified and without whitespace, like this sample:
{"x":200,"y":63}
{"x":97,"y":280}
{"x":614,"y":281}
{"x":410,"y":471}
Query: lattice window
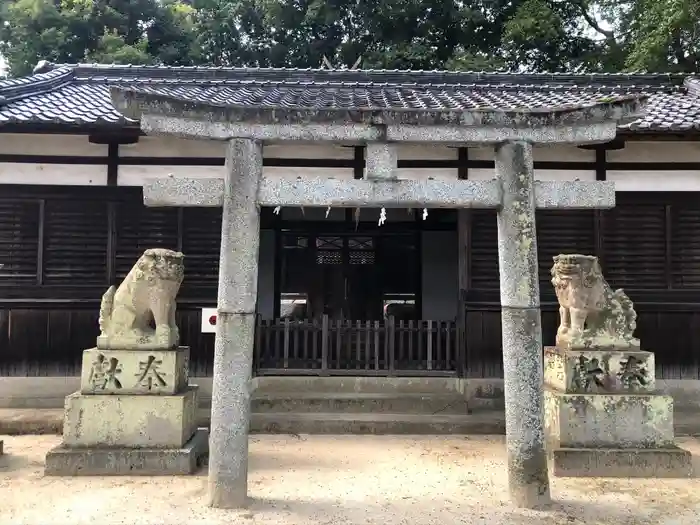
{"x":562,"y":231}
{"x":685,"y":245}
{"x":75,"y":242}
{"x":558,"y":231}
{"x":634,"y":244}
{"x":361,"y":243}
{"x":329,"y":257}
{"x":19,"y":241}
{"x":329,"y":243}
{"x":140,"y":228}
{"x":201,"y":244}
{"x":484,"y":250}
{"x":359,"y":257}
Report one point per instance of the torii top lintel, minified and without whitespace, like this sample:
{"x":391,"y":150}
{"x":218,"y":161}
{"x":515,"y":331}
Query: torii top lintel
{"x":172,"y":115}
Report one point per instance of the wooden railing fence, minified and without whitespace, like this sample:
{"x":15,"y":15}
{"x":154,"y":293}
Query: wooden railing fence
{"x":339,"y":347}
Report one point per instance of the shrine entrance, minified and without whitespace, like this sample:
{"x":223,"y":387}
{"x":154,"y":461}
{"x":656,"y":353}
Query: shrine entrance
{"x":349,"y":276}
{"x":350,"y":302}
{"x":347,"y":269}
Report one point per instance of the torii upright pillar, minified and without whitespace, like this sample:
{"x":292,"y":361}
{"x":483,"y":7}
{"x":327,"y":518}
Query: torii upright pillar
{"x":514,"y":193}
{"x":235,"y":325}
{"x":521,"y":326}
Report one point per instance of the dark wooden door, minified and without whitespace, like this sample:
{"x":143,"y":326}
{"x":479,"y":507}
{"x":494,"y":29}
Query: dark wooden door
{"x":348,"y":273}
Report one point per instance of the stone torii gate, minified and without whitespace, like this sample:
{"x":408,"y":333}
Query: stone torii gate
{"x":244,"y":189}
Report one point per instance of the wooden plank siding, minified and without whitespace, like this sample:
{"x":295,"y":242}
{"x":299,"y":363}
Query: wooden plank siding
{"x":649,"y":244}
{"x":61,"y":247}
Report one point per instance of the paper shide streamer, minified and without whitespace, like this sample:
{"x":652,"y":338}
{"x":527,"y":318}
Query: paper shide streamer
{"x":382,"y":214}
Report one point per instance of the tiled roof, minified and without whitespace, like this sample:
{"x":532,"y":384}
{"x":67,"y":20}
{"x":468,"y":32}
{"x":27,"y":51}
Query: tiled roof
{"x":79,"y":94}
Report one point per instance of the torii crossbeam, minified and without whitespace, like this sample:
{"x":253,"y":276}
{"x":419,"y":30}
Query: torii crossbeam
{"x":514,"y":193}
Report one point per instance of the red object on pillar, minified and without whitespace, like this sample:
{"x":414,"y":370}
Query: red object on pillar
{"x":212,"y":320}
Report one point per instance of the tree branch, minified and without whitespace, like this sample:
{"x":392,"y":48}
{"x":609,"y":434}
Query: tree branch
{"x":583,"y":6}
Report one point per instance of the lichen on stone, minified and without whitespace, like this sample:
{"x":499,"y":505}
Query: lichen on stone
{"x":592,"y":315}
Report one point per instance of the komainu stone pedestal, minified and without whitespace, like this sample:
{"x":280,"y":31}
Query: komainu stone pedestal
{"x":135,"y":414}
{"x":604,"y":419}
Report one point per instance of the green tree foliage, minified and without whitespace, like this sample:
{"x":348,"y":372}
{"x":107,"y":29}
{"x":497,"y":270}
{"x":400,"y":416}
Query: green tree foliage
{"x":664,"y":36}
{"x":605,"y":35}
{"x":120,"y":31}
{"x":425,"y":34}
{"x":524,"y":35}
{"x":220,"y":25}
{"x":546,"y":36}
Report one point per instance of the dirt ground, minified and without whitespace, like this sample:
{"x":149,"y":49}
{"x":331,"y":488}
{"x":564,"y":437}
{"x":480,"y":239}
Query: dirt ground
{"x":338,"y":480}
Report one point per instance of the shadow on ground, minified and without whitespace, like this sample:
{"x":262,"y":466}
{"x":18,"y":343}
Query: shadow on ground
{"x":12,"y":462}
{"x":286,"y":460}
{"x":449,"y":511}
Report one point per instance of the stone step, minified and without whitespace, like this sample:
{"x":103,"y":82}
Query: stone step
{"x":332,"y":402}
{"x":324,"y":423}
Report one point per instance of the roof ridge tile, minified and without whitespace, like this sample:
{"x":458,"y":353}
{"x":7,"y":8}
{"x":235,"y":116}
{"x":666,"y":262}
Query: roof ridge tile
{"x":692,"y":85}
{"x":18,"y":88}
{"x":84,"y":89}
{"x":90,"y":71}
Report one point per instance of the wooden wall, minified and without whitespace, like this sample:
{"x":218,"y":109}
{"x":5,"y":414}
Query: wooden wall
{"x":72,"y":222}
{"x":649,"y":244}
{"x":46,"y":338}
{"x":63,"y":246}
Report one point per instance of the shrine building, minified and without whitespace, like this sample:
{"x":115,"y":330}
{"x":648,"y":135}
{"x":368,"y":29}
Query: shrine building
{"x":342,"y":292}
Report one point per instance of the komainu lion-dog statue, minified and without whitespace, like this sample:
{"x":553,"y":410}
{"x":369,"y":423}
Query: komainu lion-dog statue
{"x":591,"y":314}
{"x":146,"y":295}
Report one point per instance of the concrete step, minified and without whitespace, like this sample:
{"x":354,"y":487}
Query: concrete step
{"x":357,"y":385}
{"x":373,"y":423}
{"x":50,"y":421}
{"x":487,"y":403}
{"x":19,"y":422}
{"x":332,"y":402}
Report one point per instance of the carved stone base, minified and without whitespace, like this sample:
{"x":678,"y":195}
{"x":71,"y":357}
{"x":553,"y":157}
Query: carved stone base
{"x":66,"y":461}
{"x":591,"y":371}
{"x":602,"y":417}
{"x":608,"y":421}
{"x":142,"y":342}
{"x":134,"y":372}
{"x":599,"y":344}
{"x":622,"y":463}
{"x":131,"y":421}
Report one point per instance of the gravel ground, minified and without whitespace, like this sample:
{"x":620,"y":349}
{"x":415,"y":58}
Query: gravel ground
{"x":337,"y":480}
